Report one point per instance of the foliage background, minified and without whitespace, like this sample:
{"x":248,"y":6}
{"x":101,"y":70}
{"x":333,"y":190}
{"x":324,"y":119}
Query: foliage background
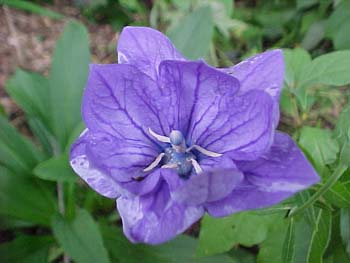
{"x":48,"y":215}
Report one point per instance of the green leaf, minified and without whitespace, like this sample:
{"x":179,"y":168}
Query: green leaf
{"x":338,"y":26}
{"x":271,"y":248}
{"x":342,"y":129}
{"x":43,"y":135}
{"x":303,"y":233}
{"x":181,"y":249}
{"x":320,"y":146}
{"x":80,"y":238}
{"x":338,"y":195}
{"x":221,"y":234}
{"x":55,"y":169}
{"x":67,"y":80}
{"x":288,"y":244}
{"x":31,"y":93}
{"x":16,"y":152}
{"x":32,"y":7}
{"x":301,"y":4}
{"x":192,"y":35}
{"x":313,"y":36}
{"x":296,"y":60}
{"x":342,"y":134}
{"x":329,"y":69}
{"x":221,"y":12}
{"x":345,"y":228}
{"x":26,"y":249}
{"x":320,"y":237}
{"x":26,"y":198}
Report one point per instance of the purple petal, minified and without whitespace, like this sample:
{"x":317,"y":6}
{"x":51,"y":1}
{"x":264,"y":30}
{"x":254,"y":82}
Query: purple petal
{"x":265,"y":72}
{"x":275,"y":176}
{"x":123,"y":102}
{"x":112,"y":167}
{"x":212,"y":115}
{"x":145,"y":48}
{"x":218,"y":179}
{"x":155,"y":218}
{"x":96,"y":179}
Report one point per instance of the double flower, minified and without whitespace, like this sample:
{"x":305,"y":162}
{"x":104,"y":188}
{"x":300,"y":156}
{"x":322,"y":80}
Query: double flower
{"x":171,"y":139}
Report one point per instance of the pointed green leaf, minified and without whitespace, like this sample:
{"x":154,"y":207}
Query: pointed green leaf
{"x":26,"y":198}
{"x":192,"y":35}
{"x":56,"y":169}
{"x":16,"y":152}
{"x":288,"y":245}
{"x":81,"y":238}
{"x":31,"y":93}
{"x":320,"y":237}
{"x":296,"y":61}
{"x":320,"y":146}
{"x":67,"y":79}
{"x":26,"y":249}
{"x":345,"y":228}
{"x":329,"y":69}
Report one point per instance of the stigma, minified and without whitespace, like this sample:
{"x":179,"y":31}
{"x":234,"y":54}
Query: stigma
{"x":177,"y":155}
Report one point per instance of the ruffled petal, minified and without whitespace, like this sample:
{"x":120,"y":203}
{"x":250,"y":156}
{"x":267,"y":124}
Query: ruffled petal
{"x":145,"y":48}
{"x":212,"y":114}
{"x":265,"y":72}
{"x":112,"y":167}
{"x":275,"y":176}
{"x":155,"y":218}
{"x":122,"y":101}
{"x":219,"y":178}
{"x":96,"y":179}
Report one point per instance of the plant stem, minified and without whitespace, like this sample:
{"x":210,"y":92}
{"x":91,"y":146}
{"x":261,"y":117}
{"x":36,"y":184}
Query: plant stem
{"x":322,"y":190}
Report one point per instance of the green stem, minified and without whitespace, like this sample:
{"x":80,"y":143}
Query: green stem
{"x":322,"y":190}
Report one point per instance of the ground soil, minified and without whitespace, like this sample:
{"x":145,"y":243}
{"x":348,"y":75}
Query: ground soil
{"x":27,"y":41}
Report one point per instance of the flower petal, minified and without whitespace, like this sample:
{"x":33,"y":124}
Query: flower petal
{"x":155,"y":218}
{"x":265,"y":72}
{"x":96,"y":179}
{"x":122,"y":101}
{"x":213,"y":115}
{"x":275,"y":176}
{"x":218,"y":179}
{"x":145,"y":48}
{"x":112,"y":167}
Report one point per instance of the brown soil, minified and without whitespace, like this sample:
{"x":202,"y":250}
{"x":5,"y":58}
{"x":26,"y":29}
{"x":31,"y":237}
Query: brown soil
{"x":27,"y":40}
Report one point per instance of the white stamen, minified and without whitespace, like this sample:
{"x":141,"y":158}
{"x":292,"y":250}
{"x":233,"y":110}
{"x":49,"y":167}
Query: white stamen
{"x":154,"y":163}
{"x":159,"y":137}
{"x":169,"y":166}
{"x":196,"y":166}
{"x":204,"y":151}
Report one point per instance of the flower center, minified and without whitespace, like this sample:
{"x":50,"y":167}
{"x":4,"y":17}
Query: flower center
{"x":177,"y":155}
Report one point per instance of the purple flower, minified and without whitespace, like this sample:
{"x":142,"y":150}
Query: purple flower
{"x":171,"y":139}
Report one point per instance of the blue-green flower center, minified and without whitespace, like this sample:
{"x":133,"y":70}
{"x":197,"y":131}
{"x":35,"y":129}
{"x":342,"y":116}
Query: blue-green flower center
{"x":177,"y":155}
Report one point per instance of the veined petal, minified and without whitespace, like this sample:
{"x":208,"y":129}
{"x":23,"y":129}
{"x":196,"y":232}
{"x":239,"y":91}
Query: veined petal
{"x":219,"y":178}
{"x":145,"y":48}
{"x":122,"y":101}
{"x":197,"y":90}
{"x":265,"y":72}
{"x":155,"y":218}
{"x":273,"y":177}
{"x":112,"y":167}
{"x":243,"y":128}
